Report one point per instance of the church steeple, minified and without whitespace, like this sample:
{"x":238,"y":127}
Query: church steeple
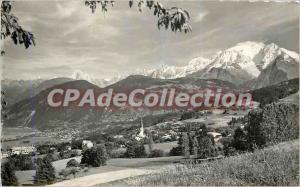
{"x":141,"y":134}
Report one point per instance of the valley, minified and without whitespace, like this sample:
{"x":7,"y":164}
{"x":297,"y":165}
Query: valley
{"x":142,"y":141}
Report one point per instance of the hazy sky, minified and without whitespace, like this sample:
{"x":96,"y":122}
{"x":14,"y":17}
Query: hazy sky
{"x":69,"y":37}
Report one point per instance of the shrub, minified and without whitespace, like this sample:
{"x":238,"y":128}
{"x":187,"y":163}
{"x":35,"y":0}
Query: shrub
{"x":45,"y":172}
{"x":140,"y":151}
{"x":69,"y":171}
{"x":280,"y":122}
{"x":135,"y":149}
{"x":8,"y":176}
{"x":52,"y":157}
{"x":186,"y":145}
{"x":187,"y":115}
{"x":72,"y":163}
{"x":274,"y":123}
{"x":175,"y":151}
{"x":240,"y":140}
{"x":156,"y":153}
{"x":117,"y":153}
{"x":206,"y":144}
{"x":69,"y":154}
{"x":96,"y":156}
{"x":21,"y":162}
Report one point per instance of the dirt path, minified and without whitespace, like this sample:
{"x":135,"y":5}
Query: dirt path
{"x":101,"y":178}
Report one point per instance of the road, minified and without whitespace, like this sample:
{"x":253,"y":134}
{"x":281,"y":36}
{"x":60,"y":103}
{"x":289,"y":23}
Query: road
{"x":116,"y":169}
{"x":102,"y":178}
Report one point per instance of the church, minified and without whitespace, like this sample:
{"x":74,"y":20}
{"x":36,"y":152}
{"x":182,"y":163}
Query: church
{"x":141,"y":135}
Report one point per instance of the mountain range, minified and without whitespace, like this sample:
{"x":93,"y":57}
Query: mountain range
{"x":243,"y":64}
{"x":248,"y":65}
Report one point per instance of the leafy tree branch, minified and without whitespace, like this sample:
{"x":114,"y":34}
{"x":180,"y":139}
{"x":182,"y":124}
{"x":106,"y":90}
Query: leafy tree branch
{"x":11,"y":28}
{"x":174,"y":18}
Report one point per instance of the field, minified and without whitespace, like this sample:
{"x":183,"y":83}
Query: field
{"x":166,"y":146}
{"x":277,"y":165}
{"x":12,"y":137}
{"x":13,"y":133}
{"x":113,"y":165}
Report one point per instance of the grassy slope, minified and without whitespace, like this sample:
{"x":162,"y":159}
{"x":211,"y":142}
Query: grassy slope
{"x":277,"y":165}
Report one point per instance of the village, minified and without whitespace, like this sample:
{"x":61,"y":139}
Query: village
{"x":143,"y":143}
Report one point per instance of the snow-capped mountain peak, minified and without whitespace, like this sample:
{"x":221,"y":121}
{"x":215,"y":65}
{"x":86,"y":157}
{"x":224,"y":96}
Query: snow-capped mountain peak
{"x":240,"y":57}
{"x":237,"y":64}
{"x":248,"y":48}
{"x":80,"y":75}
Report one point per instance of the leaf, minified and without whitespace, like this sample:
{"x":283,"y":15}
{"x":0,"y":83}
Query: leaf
{"x":130,"y":3}
{"x":187,"y":13}
{"x":155,"y":11}
{"x":14,"y":37}
{"x":150,"y":4}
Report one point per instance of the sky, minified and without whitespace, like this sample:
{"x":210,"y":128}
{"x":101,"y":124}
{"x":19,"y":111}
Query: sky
{"x":69,"y":37}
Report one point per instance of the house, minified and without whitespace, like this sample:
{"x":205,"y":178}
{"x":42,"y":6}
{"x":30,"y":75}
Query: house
{"x":166,"y":137}
{"x":215,"y":135}
{"x":22,"y":150}
{"x":4,"y":155}
{"x":86,"y":144}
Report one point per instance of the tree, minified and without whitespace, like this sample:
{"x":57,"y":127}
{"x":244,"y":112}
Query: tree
{"x":175,"y":18}
{"x":95,"y":156}
{"x":186,"y":145}
{"x":254,"y":130}
{"x":205,"y":147}
{"x":130,"y":149}
{"x":195,"y":148}
{"x":21,"y":162}
{"x":10,"y":27}
{"x":8,"y":176}
{"x":240,"y":140}
{"x":45,"y":172}
{"x":140,"y":151}
{"x":150,"y":143}
{"x":135,"y":149}
{"x":275,"y":123}
{"x":205,"y":143}
{"x":180,"y":141}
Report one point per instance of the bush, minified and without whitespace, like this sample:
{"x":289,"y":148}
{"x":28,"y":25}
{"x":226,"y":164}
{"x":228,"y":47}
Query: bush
{"x":280,"y":122}
{"x":96,"y":156}
{"x":69,"y":154}
{"x":188,"y":115}
{"x":273,"y":124}
{"x":117,"y":153}
{"x":72,"y":163}
{"x":135,"y":149}
{"x":69,"y":171}
{"x":45,"y":172}
{"x":240,"y":140}
{"x":52,"y":157}
{"x":175,"y":151}
{"x":206,"y":144}
{"x":21,"y":162}
{"x":156,"y":153}
{"x":8,"y":176}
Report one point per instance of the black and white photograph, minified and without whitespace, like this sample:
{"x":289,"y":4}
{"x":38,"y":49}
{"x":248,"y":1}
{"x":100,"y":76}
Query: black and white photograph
{"x":149,"y":93}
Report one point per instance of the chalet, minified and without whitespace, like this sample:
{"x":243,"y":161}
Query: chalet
{"x":22,"y":150}
{"x":86,"y":144}
{"x":216,"y":136}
